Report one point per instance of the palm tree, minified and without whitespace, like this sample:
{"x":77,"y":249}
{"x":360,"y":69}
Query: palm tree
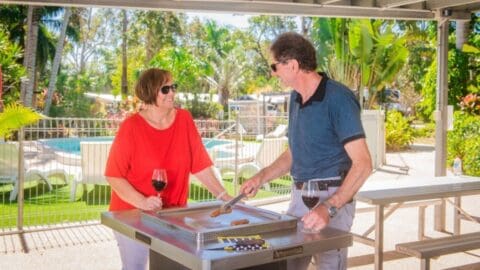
{"x":57,"y":59}
{"x":16,"y":116}
{"x":33,"y":20}
{"x":124,"y":85}
{"x":228,"y":74}
{"x":360,"y":53}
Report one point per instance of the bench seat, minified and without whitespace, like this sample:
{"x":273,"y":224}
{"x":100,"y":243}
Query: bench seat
{"x":427,"y":249}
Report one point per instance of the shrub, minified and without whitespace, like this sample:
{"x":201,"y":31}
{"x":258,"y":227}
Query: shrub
{"x":424,"y":132}
{"x":399,"y":133}
{"x":464,"y":141}
{"x":203,"y":110}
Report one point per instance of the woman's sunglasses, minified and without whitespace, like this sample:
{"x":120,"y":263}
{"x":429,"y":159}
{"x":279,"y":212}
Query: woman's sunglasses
{"x":166,"y":89}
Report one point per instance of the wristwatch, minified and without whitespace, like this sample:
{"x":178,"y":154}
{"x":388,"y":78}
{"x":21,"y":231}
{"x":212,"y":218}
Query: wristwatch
{"x":332,"y":210}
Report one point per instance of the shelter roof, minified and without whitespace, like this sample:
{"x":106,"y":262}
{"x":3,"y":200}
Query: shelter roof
{"x":388,"y":9}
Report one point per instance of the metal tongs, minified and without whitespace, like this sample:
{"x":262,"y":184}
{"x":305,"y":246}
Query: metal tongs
{"x":227,"y":207}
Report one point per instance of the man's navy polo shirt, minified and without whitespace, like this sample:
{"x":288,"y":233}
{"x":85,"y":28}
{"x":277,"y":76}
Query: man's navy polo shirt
{"x":318,"y":130}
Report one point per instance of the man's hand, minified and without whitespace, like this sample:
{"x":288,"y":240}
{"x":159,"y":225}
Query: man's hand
{"x":251,"y":186}
{"x":316,"y":219}
{"x":152,"y":203}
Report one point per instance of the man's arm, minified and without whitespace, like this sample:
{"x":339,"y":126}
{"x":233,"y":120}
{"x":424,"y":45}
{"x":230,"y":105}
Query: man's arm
{"x":278,"y":168}
{"x":357,"y":175}
{"x":361,"y":169}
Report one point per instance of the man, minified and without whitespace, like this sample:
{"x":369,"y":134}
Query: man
{"x":326,"y":144}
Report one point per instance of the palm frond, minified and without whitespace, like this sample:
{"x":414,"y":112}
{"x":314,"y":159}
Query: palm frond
{"x":16,"y":116}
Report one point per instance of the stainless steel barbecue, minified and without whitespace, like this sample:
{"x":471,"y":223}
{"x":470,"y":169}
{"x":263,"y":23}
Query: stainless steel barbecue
{"x":195,"y":224}
{"x":185,"y":238}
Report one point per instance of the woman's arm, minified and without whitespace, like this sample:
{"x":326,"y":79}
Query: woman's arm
{"x":212,"y":183}
{"x":127,"y":193}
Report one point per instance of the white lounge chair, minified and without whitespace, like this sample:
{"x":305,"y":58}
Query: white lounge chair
{"x":94,"y":159}
{"x":279,"y":131}
{"x":269,"y":150}
{"x":9,"y":172}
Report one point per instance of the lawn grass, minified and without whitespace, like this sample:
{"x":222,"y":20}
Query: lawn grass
{"x":46,"y":207}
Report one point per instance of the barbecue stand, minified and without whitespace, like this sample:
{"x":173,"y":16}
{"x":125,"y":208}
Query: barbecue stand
{"x":183,"y":238}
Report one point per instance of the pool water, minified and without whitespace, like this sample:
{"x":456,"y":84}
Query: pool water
{"x":72,"y":145}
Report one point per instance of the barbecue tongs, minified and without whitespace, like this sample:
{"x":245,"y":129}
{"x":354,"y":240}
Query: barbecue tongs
{"x":227,"y":207}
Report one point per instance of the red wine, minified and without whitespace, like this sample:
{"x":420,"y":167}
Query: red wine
{"x":158,"y":185}
{"x":310,"y":202}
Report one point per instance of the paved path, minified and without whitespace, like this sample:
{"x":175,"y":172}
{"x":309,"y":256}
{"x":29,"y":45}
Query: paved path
{"x":92,"y":247}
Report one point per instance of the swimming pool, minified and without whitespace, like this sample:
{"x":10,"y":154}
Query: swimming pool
{"x":72,"y":145}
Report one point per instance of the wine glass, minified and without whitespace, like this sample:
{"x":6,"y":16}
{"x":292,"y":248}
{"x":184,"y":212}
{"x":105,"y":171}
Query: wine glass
{"x":310,"y":197}
{"x":159,"y":180}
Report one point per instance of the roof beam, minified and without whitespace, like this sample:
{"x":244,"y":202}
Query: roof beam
{"x":438,"y":4}
{"x":243,"y":6}
{"x":395,"y":3}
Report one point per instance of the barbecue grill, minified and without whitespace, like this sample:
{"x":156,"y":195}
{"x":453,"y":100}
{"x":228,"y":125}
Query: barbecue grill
{"x":186,"y":238}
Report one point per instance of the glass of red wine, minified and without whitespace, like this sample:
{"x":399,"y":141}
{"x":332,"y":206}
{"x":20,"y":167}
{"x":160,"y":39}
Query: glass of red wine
{"x":310,"y":197}
{"x":159,"y":180}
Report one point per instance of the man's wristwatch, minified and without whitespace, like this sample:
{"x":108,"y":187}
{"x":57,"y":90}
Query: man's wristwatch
{"x":332,"y":210}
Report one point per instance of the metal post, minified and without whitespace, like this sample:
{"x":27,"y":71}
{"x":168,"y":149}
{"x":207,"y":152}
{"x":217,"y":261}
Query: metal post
{"x":442,"y":97}
{"x":235,"y":175}
{"x":21,"y":180}
{"x":441,"y":112}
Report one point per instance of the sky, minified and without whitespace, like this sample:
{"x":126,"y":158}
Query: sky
{"x":236,"y":20}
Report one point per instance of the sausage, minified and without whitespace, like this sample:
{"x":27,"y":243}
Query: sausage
{"x":239,"y":222}
{"x":219,"y":212}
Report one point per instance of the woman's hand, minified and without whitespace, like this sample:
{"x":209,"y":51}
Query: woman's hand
{"x":151,"y":203}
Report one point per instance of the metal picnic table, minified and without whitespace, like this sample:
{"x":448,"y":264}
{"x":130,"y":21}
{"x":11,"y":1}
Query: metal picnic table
{"x":423,"y":193}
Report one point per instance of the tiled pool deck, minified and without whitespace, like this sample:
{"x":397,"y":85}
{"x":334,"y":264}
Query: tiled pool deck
{"x":93,"y":247}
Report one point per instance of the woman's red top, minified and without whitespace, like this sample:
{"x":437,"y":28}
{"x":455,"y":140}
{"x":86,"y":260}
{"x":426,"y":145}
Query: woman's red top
{"x":138,"y":148}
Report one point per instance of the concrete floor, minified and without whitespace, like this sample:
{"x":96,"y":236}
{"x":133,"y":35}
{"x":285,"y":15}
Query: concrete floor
{"x":93,"y":247}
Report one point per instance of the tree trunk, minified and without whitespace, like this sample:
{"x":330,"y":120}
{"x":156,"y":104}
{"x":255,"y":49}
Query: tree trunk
{"x":224,"y":96}
{"x":33,"y":19}
{"x":83,"y":49}
{"x":149,"y":47}
{"x":124,"y":86}
{"x":57,"y":60}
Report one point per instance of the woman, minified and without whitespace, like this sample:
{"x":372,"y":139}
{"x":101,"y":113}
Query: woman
{"x":159,"y":136}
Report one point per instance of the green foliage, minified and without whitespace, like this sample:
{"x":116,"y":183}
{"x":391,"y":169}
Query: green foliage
{"x":202,"y":110}
{"x":12,"y":71}
{"x":134,"y":65}
{"x":464,"y":142}
{"x":16,"y":116}
{"x":360,"y":52}
{"x":458,"y":75}
{"x":187,"y":70}
{"x":424,"y":132}
{"x":73,"y":103}
{"x":399,"y":133}
{"x":426,"y":106}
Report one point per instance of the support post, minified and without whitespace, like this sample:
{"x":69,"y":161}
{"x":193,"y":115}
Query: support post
{"x":442,"y":97}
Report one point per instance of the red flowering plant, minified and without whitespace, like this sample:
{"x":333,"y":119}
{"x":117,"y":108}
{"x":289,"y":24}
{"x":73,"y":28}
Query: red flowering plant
{"x":470,"y":104}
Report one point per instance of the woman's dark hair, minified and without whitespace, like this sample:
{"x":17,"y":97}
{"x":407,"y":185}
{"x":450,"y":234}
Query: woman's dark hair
{"x":291,"y":45}
{"x":150,"y":82}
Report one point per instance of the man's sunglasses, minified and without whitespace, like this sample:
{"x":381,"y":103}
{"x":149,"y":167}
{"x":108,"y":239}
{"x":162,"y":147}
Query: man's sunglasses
{"x":274,"y":65}
{"x":166,"y":89}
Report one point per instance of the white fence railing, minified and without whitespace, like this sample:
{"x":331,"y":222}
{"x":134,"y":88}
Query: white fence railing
{"x":52,"y":188}
{"x":51,"y":180}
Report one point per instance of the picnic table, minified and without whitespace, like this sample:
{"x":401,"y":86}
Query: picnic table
{"x":420,"y":194}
